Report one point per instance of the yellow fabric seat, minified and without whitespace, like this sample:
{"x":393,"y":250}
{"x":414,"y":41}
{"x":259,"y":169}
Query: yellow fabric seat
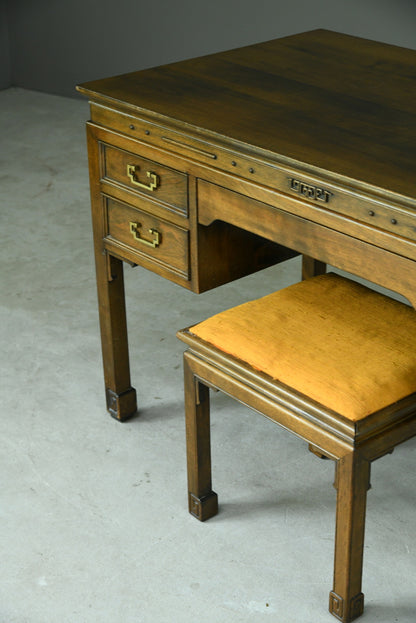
{"x":345,"y":346}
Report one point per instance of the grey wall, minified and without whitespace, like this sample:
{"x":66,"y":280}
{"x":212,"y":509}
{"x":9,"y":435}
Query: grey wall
{"x":55,"y":44}
{"x":4,"y":48}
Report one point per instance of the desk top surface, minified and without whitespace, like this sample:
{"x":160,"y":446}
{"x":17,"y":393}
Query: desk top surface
{"x":334,"y":102}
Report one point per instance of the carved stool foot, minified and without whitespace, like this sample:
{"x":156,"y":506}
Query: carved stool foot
{"x":343,"y":611}
{"x":121,"y":406}
{"x":205,"y":507}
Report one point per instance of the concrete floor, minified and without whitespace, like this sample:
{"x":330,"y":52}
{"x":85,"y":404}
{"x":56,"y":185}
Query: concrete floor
{"x":93,"y":513}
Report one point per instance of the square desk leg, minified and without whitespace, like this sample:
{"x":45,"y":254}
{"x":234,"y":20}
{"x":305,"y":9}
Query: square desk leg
{"x":120,"y":396}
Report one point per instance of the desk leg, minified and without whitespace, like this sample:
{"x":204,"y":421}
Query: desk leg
{"x":121,"y":397}
{"x":312,"y":267}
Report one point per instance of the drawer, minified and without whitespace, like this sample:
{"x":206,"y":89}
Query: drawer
{"x":144,"y":239}
{"x":145,"y":177}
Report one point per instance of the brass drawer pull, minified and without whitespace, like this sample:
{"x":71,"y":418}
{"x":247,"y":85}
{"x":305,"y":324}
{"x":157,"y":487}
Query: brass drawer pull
{"x":134,"y":229}
{"x":132,"y":169}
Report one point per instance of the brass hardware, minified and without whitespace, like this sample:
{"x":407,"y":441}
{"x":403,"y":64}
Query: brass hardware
{"x":132,"y":169}
{"x":134,"y":229}
{"x":310,"y":192}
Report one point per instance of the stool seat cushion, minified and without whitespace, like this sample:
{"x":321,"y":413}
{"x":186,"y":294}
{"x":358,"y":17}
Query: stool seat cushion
{"x":338,"y":342}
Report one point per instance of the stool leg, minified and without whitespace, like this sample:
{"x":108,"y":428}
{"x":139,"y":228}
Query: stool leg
{"x":352,"y":482}
{"x":203,"y":502}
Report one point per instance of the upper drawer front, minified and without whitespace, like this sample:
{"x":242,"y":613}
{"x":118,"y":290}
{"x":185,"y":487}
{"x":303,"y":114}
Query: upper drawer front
{"x":146,"y":239}
{"x":146,"y":177}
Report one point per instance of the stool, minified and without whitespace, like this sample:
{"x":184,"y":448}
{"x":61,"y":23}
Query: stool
{"x":331,"y":361}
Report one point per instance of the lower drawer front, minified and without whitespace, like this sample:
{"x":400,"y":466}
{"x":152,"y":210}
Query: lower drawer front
{"x":153,"y":241}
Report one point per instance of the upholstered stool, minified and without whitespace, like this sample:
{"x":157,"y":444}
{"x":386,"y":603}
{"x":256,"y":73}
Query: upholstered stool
{"x":328,"y":359}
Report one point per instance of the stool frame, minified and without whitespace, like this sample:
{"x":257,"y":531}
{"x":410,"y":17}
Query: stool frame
{"x":352,"y":445}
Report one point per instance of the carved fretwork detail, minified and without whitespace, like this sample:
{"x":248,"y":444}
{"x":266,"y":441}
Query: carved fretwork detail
{"x":204,"y":507}
{"x":121,"y":406}
{"x":195,"y":506}
{"x":337,"y":607}
{"x":316,"y":193}
{"x":112,"y":402}
{"x":357,"y":606}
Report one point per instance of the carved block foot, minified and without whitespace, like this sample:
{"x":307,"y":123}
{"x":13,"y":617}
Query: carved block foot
{"x":343,"y":611}
{"x":205,"y":507}
{"x":121,"y":406}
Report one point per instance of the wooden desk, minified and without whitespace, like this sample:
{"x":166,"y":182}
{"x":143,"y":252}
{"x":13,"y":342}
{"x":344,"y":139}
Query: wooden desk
{"x":209,"y":169}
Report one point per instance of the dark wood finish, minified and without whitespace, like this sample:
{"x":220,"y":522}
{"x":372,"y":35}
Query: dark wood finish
{"x":352,"y":445}
{"x":363,"y":251}
{"x":336,"y":102}
{"x":305,"y":144}
{"x":203,"y":502}
{"x":172,"y":251}
{"x":346,"y":601}
{"x":172,"y":185}
{"x":120,"y":396}
{"x":312,"y":267}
